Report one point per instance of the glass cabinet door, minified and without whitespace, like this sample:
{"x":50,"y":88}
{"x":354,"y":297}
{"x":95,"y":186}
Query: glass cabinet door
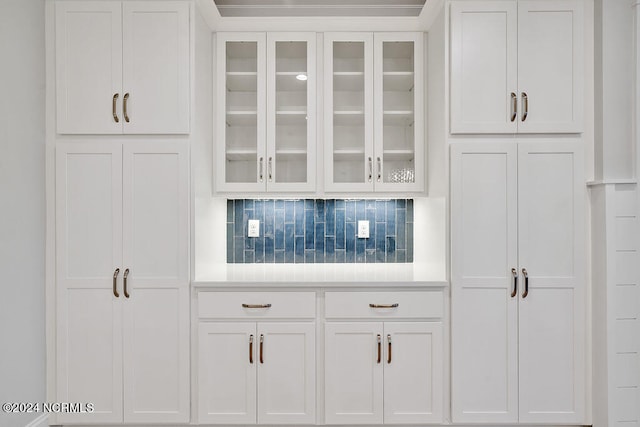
{"x":291,"y":131}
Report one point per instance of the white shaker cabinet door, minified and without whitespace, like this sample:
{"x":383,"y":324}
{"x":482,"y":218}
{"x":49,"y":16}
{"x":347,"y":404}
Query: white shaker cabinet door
{"x":227,"y":361}
{"x":155,"y":73}
{"x":484,"y":308}
{"x":550,"y":66}
{"x":484,"y":61}
{"x":88,"y":252}
{"x":353,"y":373}
{"x":286,"y":373}
{"x":551,"y":201}
{"x":88,"y":67}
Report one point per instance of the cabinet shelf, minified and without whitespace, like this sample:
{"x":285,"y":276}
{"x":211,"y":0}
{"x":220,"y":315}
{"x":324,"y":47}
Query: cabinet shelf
{"x":398,"y":117}
{"x":242,"y":118}
{"x":291,"y":117}
{"x":399,"y":155}
{"x":242,"y":81}
{"x":241,"y":155}
{"x":398,"y":81}
{"x":348,"y":117}
{"x":350,"y":81}
{"x":348,"y":155}
{"x":287,"y":81}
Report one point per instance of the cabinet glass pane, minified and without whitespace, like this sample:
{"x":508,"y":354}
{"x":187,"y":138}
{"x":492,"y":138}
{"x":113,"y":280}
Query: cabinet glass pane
{"x":398,"y":112}
{"x":348,"y":112}
{"x":291,"y":112}
{"x":241,"y":144}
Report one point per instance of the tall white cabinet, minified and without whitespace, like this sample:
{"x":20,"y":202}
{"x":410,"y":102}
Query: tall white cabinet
{"x":518,"y":282}
{"x":122,"y":263}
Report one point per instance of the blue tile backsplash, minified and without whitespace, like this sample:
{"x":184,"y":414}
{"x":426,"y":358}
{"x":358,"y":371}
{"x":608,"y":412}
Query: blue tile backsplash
{"x":320,"y":231}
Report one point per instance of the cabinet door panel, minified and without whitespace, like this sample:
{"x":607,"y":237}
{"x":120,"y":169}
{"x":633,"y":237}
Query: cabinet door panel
{"x":413,"y":373}
{"x":483,"y":66}
{"x":551,"y":247}
{"x":484,"y":314}
{"x":156,"y":76}
{"x":227,"y":373}
{"x":353,"y":374}
{"x":286,"y":373}
{"x":88,"y":66}
{"x":551,"y":64}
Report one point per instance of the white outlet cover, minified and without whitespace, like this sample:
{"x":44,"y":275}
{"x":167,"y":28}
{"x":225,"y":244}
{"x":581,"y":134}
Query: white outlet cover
{"x":253,"y":228}
{"x":363,"y":229}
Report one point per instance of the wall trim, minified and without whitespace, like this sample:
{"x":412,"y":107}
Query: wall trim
{"x":41,"y":421}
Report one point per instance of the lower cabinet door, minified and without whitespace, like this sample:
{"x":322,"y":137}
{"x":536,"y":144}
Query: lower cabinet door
{"x":413,"y":372}
{"x":353,"y":373}
{"x":286,"y":373}
{"x":227,"y":361}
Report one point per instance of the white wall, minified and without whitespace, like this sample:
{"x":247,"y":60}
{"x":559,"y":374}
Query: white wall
{"x":22,"y":209}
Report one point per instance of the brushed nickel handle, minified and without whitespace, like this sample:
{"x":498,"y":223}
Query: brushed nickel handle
{"x":370,"y":169}
{"x":526,"y":283}
{"x":115,"y":287}
{"x":525,"y":106}
{"x":379,"y":164}
{"x":261,"y":348}
{"x":389,"y":351}
{"x":251,"y":349}
{"x":270,"y":169}
{"x":113,"y":108}
{"x":514,"y":273}
{"x":256,"y":305}
{"x":514,"y":106}
{"x":261,"y":164}
{"x":124,"y":107}
{"x":126,"y":274}
{"x":379,"y":348}
{"x":394,"y":305}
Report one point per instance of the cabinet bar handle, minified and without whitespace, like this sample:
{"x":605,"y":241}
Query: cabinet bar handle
{"x":514,"y":273}
{"x":256,"y":305}
{"x":394,"y":305}
{"x":124,"y":107}
{"x":270,"y":169}
{"x":379,"y":164}
{"x":379,"y":348}
{"x":389,"y":352}
{"x":514,"y":106}
{"x":113,"y":108}
{"x":260,"y":166}
{"x":525,"y":106}
{"x":261,"y":347}
{"x":251,"y":349}
{"x":526,"y":283}
{"x":115,"y":287}
{"x":370,"y":169}
{"x":126,"y":274}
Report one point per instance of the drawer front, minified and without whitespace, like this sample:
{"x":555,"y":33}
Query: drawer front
{"x":257,"y":305}
{"x":381,"y":305}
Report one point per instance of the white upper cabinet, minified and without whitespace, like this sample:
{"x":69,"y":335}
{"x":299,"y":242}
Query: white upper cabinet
{"x":516,"y":66}
{"x":122,"y":67}
{"x":266,"y":115}
{"x":374,"y":112}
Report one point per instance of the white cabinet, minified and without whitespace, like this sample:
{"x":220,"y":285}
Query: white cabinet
{"x":516,"y":66}
{"x":122,"y":67}
{"x":518,"y":282}
{"x":267,"y":368}
{"x":383,"y":372}
{"x":266,"y":111}
{"x":374,"y":111}
{"x":122,"y":281}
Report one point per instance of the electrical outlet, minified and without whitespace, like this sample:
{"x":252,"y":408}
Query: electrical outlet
{"x":363,"y":229}
{"x":254,"y":228}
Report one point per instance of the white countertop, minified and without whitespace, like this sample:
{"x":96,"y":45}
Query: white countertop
{"x":409,"y":274}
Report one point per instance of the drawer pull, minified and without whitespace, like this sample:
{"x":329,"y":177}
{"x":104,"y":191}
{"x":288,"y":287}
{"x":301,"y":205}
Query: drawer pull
{"x":384,"y":305}
{"x":389,"y":352}
{"x":261,"y":347}
{"x":115,"y":286}
{"x":113,"y":108}
{"x":256,"y":305}
{"x":514,"y":273}
{"x":124,"y":279}
{"x":379,"y":349}
{"x":526,"y":283}
{"x":251,"y":349}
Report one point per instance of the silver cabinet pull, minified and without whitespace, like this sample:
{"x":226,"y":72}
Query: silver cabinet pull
{"x":261,"y":348}
{"x":124,"y":107}
{"x":260,"y":166}
{"x":379,"y":161}
{"x":514,"y":273}
{"x":526,"y":283}
{"x":525,"y":106}
{"x":115,"y":279}
{"x":379,"y":348}
{"x":389,"y":350}
{"x":126,"y":274}
{"x":270,"y":166}
{"x":394,"y":305}
{"x":251,"y":349}
{"x":370,"y":169}
{"x":256,"y":305}
{"x":514,"y":106}
{"x":113,"y":108}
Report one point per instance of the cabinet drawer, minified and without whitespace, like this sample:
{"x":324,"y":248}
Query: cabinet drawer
{"x":263,"y":305}
{"x":385,"y":304}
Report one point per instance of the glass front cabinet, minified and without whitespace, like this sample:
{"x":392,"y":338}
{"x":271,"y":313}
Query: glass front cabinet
{"x":265,"y":126}
{"x":374,"y":112}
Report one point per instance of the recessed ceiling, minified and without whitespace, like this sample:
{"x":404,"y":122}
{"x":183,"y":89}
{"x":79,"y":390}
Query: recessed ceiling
{"x":267,"y":8}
